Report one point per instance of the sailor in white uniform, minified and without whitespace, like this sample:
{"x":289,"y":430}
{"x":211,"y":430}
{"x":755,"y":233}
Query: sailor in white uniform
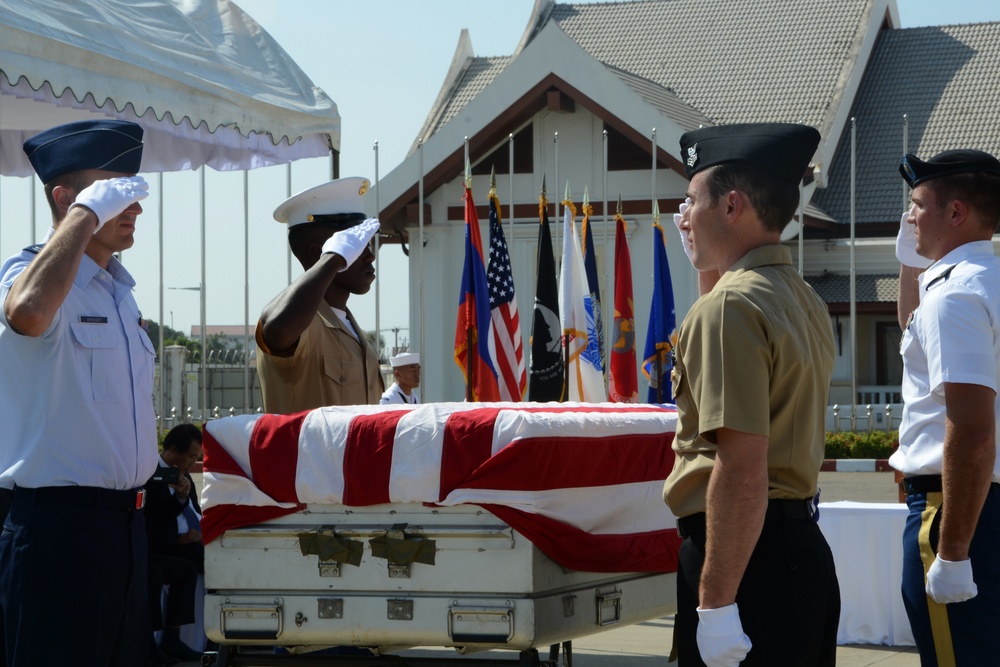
{"x":406,"y":370}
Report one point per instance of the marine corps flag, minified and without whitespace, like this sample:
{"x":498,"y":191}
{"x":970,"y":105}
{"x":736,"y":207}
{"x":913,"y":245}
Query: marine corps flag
{"x":623,"y":381}
{"x":662,"y":333}
{"x":546,"y":365}
{"x":472,"y":331}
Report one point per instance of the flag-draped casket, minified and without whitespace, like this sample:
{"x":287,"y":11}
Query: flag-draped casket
{"x":489,"y":524}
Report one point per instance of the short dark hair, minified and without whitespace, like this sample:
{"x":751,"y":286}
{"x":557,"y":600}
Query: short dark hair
{"x":773,"y":198}
{"x":180,"y":437}
{"x":979,"y":189}
{"x":73,"y":180}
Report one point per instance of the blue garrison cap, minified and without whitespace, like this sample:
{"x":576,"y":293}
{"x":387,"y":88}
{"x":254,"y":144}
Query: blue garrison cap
{"x":783,"y":149}
{"x":113,"y":145}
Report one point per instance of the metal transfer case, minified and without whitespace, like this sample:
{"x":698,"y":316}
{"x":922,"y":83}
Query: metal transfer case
{"x":408,"y":574}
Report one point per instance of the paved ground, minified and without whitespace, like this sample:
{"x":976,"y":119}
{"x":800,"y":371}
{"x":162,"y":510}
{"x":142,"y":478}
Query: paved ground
{"x":647,"y":644}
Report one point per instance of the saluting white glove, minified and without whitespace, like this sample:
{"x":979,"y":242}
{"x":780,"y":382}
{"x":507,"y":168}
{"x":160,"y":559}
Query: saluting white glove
{"x":351,"y":242}
{"x":721,"y":640}
{"x":107,"y":198}
{"x":951,"y":581}
{"x":906,"y":245}
{"x":685,"y":241}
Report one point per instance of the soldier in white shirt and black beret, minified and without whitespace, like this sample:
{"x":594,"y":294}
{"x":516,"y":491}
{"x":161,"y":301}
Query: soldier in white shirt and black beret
{"x":949,"y":309}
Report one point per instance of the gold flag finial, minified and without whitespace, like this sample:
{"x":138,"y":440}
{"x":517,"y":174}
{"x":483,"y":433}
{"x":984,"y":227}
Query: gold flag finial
{"x":493,"y":181}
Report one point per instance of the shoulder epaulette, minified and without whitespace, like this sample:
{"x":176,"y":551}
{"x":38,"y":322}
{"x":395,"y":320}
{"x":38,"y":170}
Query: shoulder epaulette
{"x":35,"y":249}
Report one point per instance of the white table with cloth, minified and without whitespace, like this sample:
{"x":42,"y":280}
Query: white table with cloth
{"x":867,"y":544}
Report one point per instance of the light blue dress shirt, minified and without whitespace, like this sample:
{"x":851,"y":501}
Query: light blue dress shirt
{"x":77,"y":401}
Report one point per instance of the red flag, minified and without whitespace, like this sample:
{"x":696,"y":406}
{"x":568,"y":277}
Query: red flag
{"x":507,"y":350}
{"x":472,"y":331}
{"x":583,"y":482}
{"x":623,"y":386}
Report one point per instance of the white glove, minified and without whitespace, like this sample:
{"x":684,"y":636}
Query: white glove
{"x":351,"y":242}
{"x":685,"y":242}
{"x":906,"y":245}
{"x":109,"y":197}
{"x":721,"y":640}
{"x":951,"y":581}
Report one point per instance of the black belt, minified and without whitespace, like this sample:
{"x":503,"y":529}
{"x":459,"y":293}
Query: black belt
{"x":778,"y":509}
{"x":83,"y":496}
{"x":928,"y":484}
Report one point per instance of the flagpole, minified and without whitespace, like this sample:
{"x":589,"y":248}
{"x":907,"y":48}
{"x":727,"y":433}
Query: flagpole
{"x":659,"y":359}
{"x":420,"y":241}
{"x":469,"y":315}
{"x":802,"y":227}
{"x":556,"y":143}
{"x":246,"y":291}
{"x":608,"y":252}
{"x":510,"y":188}
{"x":204,"y":352}
{"x":854,"y":304}
{"x":163,"y":384}
{"x":378,"y":270}
{"x":653,"y":185}
{"x":288,"y":194}
{"x":906,"y":149}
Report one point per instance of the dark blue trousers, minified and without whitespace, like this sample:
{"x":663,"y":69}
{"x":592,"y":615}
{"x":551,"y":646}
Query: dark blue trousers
{"x":73,"y":581}
{"x":963,"y":634}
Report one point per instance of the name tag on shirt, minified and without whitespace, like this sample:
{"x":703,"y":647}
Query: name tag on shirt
{"x":93,"y":319}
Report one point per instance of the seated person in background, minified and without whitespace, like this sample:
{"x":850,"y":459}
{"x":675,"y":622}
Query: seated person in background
{"x":406,"y":370}
{"x":173,"y":533}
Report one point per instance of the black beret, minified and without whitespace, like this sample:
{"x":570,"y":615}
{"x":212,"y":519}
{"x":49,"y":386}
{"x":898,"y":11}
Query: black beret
{"x":113,"y":145}
{"x":783,"y":149}
{"x":948,"y":163}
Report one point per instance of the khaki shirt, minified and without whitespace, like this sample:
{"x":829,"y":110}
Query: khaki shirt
{"x":754,"y":355}
{"x":329,"y":367}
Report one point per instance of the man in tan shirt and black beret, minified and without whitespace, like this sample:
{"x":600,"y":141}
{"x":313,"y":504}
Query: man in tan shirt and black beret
{"x":756,"y":583}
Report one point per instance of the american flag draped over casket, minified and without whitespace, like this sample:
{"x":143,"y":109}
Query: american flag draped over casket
{"x":582,"y":481}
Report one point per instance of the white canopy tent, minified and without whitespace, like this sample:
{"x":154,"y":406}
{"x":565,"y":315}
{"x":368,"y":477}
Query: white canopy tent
{"x":207,"y":83}
{"x":209,"y":86}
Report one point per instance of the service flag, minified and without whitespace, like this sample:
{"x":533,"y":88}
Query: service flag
{"x":661,"y":336}
{"x":623,"y":380}
{"x":546,"y":363}
{"x":593,"y":284}
{"x":584,"y":373}
{"x":583,"y":482}
{"x":472,"y":331}
{"x":507,"y":351}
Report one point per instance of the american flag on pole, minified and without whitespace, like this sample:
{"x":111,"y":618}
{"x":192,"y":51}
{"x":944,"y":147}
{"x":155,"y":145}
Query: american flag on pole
{"x":582,"y":481}
{"x":507,"y":350}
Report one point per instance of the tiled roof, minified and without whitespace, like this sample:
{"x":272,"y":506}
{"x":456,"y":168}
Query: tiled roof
{"x":946,"y":79}
{"x":666,"y":101}
{"x":868,"y":288}
{"x":722,"y":61}
{"x":477,"y":76}
{"x":733,"y":60}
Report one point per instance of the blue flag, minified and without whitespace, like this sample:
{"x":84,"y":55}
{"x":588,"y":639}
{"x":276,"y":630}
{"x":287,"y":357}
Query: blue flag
{"x":661,"y":336}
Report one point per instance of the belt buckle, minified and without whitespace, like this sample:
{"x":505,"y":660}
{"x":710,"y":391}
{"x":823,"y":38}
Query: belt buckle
{"x":140,"y":499}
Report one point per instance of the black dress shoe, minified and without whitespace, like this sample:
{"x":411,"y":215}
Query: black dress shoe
{"x":178,"y":649}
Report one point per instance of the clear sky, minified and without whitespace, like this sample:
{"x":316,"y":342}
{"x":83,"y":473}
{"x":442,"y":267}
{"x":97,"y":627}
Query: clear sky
{"x":383,"y":63}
